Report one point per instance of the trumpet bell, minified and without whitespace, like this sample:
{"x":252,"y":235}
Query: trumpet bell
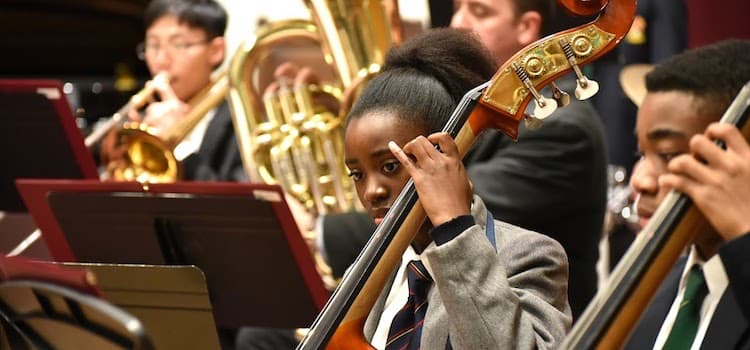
{"x":147,"y":157}
{"x":150,"y":158}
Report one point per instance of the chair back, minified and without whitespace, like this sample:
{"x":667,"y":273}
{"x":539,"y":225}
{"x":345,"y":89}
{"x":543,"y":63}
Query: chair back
{"x":42,"y":312}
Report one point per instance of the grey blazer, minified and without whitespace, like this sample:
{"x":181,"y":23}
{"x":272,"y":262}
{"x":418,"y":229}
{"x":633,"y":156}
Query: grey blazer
{"x":552,"y":181}
{"x":512,"y":298}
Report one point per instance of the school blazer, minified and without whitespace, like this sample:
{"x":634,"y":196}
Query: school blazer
{"x":729,"y":327}
{"x":509,"y":296}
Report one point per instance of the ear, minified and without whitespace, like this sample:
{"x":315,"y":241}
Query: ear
{"x":528,"y":27}
{"x":217,"y":48}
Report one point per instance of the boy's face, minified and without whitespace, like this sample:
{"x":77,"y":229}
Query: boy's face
{"x":377,"y":174}
{"x":184,"y":52}
{"x":666,"y":121}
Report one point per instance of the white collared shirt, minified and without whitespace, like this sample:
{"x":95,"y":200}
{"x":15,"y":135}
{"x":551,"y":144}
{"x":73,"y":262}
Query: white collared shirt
{"x":397,"y":297}
{"x":717,"y":282}
{"x":192,"y":142}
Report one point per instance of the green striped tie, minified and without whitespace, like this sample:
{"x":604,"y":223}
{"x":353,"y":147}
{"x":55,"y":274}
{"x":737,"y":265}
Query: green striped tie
{"x":689,"y":315}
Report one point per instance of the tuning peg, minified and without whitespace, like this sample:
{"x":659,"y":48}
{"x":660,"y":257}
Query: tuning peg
{"x":562,"y":97}
{"x":586,"y":87}
{"x":544,"y":106}
{"x":532,"y":123}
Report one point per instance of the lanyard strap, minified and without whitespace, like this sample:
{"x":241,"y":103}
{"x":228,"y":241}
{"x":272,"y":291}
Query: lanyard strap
{"x":490,"y":230}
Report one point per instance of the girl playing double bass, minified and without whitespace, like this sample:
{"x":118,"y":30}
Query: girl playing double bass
{"x":490,"y":285}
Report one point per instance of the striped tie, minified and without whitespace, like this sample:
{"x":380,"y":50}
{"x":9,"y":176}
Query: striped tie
{"x":406,"y":329}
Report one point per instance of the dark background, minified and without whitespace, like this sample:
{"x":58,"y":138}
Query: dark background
{"x":87,"y":43}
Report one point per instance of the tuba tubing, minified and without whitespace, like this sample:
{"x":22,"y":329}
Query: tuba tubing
{"x":304,"y":154}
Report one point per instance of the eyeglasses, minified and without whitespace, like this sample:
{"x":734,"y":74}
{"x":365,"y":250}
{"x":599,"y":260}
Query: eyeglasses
{"x":171,"y":48}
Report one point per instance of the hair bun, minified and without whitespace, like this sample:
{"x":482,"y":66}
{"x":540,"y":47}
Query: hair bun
{"x":448,"y":55}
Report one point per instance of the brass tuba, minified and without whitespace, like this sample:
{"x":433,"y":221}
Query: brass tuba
{"x":150,"y":158}
{"x":286,"y":138}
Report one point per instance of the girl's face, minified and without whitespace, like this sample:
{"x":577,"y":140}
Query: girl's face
{"x":377,"y":174}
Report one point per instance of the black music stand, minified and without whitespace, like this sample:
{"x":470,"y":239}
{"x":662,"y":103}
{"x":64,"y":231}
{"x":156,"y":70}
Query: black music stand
{"x":258,"y":268}
{"x":38,"y":139}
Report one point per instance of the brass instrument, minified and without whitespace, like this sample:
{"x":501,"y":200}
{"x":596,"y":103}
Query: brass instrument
{"x":286,"y":138}
{"x":151,"y":158}
{"x":136,"y":101}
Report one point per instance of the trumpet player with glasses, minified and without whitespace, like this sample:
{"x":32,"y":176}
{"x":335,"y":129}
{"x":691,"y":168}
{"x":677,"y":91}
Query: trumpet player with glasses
{"x":183,"y":46}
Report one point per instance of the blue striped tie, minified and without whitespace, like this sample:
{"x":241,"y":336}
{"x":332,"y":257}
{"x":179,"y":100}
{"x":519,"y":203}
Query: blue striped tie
{"x":406,"y":329}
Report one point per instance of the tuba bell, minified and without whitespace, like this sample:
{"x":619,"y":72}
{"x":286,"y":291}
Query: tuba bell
{"x":288,"y":139}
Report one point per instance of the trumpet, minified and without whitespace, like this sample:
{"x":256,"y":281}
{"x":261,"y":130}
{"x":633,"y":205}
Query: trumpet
{"x":138,"y":100}
{"x":150,"y":158}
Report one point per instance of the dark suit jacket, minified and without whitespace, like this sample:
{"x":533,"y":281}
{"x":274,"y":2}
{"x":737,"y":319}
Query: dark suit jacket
{"x":553,"y":181}
{"x":730,"y":324}
{"x":218,"y":158}
{"x":344,"y":237}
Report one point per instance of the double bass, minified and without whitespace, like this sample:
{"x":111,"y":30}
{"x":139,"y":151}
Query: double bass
{"x":501,"y":104}
{"x":608,"y":320}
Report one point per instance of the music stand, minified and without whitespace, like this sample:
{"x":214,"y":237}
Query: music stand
{"x":258,"y":268}
{"x":38,"y":138}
